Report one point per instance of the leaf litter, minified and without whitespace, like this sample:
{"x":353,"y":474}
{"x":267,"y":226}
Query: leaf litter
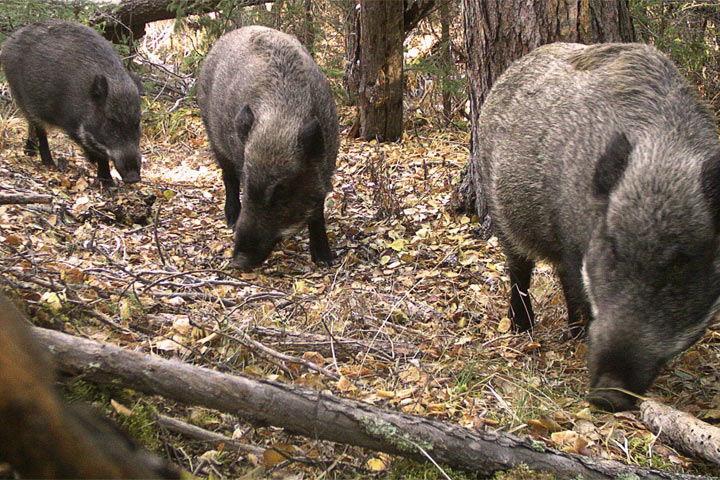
{"x":412,"y":316}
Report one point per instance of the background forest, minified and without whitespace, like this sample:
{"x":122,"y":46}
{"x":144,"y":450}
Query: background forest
{"x":412,"y":315}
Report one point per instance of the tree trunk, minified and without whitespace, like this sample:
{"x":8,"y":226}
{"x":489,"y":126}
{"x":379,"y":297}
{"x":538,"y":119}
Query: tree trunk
{"x":351,"y":78}
{"x":446,"y":56}
{"x":381,"y":69}
{"x":323,"y":416}
{"x":307,"y":31}
{"x":497,"y":32}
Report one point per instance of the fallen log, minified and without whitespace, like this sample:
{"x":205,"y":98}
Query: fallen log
{"x":320,"y":415}
{"x":24,"y":198}
{"x":682,"y":430}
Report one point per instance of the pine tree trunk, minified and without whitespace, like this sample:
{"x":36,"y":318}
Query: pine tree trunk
{"x":381,"y":69}
{"x":497,"y":32}
{"x":445,"y":18}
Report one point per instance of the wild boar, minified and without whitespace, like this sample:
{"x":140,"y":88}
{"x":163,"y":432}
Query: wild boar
{"x":65,"y":75}
{"x":603,"y":161}
{"x":272,"y":123}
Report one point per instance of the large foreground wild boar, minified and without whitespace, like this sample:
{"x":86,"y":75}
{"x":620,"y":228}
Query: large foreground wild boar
{"x":603,"y":161}
{"x":41,"y":436}
{"x":272,"y":124}
{"x":63,"y":74}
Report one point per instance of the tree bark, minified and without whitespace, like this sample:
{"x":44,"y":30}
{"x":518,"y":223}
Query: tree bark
{"x":320,"y":415}
{"x":682,"y":430}
{"x":446,"y":56}
{"x":497,"y":32}
{"x":381,"y":69}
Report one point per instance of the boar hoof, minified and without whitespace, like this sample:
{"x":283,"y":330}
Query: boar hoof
{"x":322,"y":257}
{"x":31,"y":148}
{"x":105,"y":184}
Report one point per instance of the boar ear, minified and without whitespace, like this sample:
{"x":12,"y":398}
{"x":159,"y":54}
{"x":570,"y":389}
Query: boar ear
{"x":99,"y":89}
{"x":311,"y":140}
{"x":711,"y":186}
{"x":611,"y":165}
{"x":137,"y":81}
{"x":244,"y":122}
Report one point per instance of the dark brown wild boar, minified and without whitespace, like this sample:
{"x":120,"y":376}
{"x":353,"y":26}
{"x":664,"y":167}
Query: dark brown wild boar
{"x":272,"y":124}
{"x":65,"y":75}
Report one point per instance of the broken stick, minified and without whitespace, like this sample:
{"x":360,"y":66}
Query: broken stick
{"x":682,"y":430}
{"x":24,"y":198}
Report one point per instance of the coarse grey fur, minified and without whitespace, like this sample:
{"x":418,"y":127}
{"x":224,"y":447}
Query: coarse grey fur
{"x":271,"y":120}
{"x":603,"y":161}
{"x":65,"y":75}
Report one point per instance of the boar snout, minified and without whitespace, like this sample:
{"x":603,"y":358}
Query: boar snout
{"x":128,"y":166}
{"x":608,"y":393}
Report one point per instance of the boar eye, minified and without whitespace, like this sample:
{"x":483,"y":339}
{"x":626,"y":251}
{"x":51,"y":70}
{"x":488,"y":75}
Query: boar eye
{"x":679,"y":262}
{"x":277,"y":193}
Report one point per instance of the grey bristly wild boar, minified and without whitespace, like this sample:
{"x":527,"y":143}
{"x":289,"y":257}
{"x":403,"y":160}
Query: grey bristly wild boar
{"x":604,"y":162}
{"x":63,"y":74}
{"x":272,"y":124}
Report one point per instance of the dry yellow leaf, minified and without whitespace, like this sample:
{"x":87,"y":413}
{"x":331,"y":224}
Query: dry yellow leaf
{"x":504,"y":325}
{"x":376,"y":464}
{"x":345,"y":385}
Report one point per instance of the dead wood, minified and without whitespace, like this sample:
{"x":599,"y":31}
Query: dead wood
{"x":341,"y":348}
{"x":127,"y":18}
{"x":320,"y":415}
{"x":192,"y":431}
{"x":24,"y":198}
{"x":682,"y":430}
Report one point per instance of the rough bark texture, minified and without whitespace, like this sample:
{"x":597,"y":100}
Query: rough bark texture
{"x":445,"y":7}
{"x":323,"y":416}
{"x":24,"y":198}
{"x":39,"y":435}
{"x":381,"y":69}
{"x":681,"y":430}
{"x":497,"y":32}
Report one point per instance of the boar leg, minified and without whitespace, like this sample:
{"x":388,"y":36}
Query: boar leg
{"x":521,"y":312}
{"x":37,"y":141}
{"x":103,"y":167}
{"x":232,"y":196}
{"x":577,"y":304}
{"x":319,"y":246}
{"x":31,"y":146}
{"x":231,"y":179}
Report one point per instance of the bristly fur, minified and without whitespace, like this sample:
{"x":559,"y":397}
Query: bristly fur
{"x":602,"y":160}
{"x":285,"y":160}
{"x":65,"y":75}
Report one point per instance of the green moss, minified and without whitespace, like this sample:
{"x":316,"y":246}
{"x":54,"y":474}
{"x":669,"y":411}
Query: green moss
{"x":523,"y":472}
{"x":413,"y":470}
{"x":388,"y":432}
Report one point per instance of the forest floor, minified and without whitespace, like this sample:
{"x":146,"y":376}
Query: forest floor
{"x":146,"y":267}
